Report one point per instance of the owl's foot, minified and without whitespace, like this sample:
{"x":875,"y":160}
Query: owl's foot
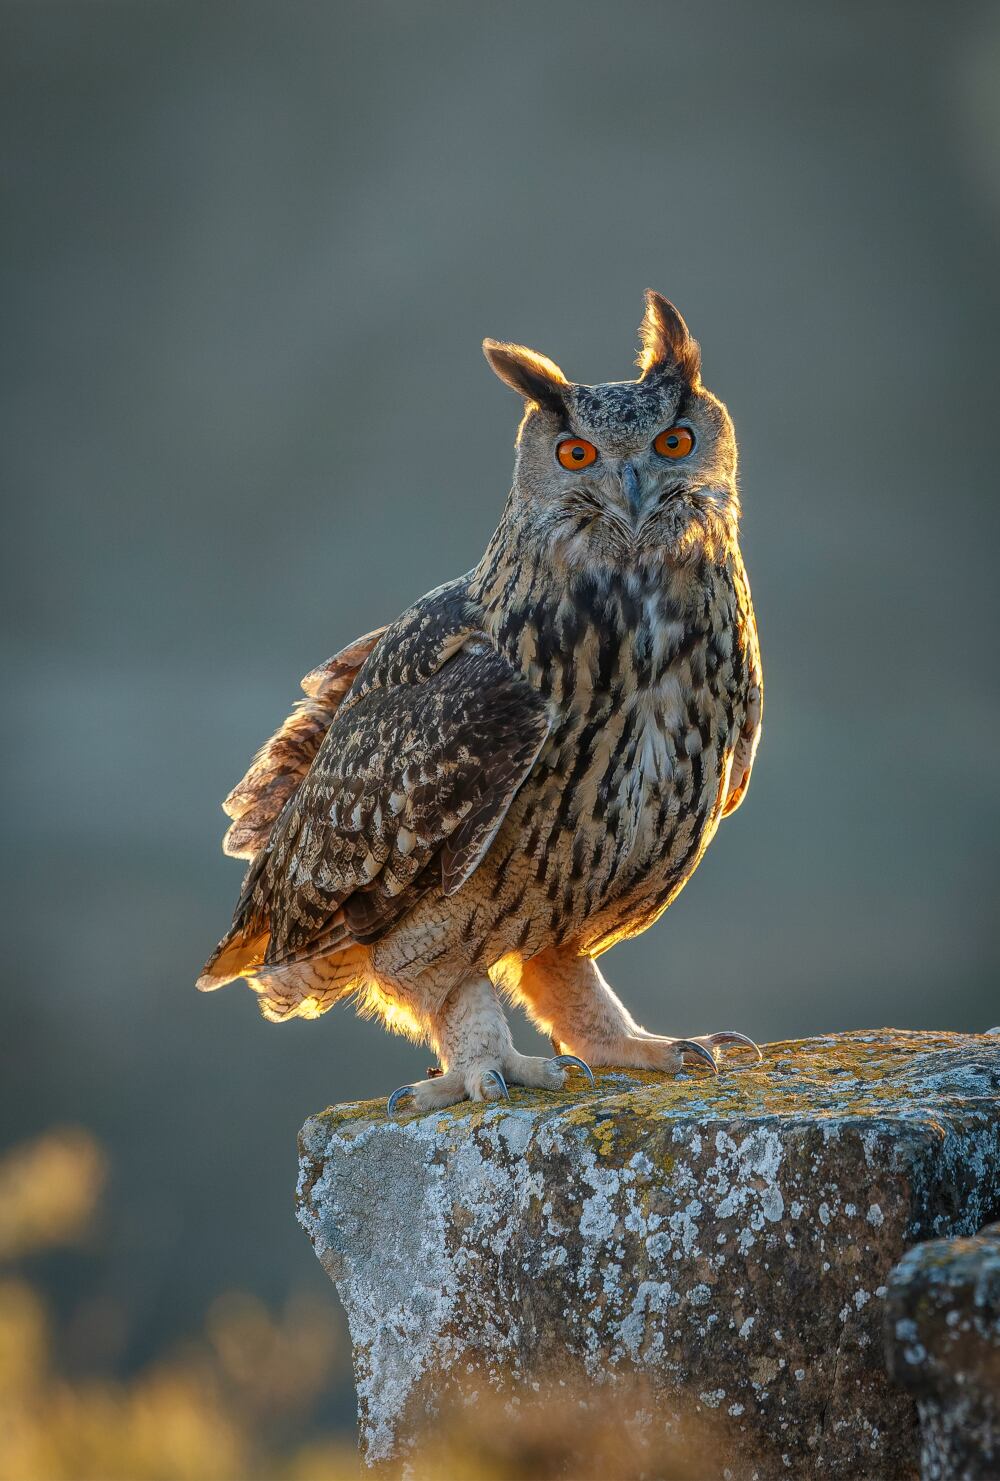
{"x":567,"y":993}
{"x":675,"y":1054}
{"x":680,"y":1053}
{"x":713,"y":1042}
{"x":445,"y":1090}
{"x":657,"y":1052}
{"x":485,"y":1081}
{"x":572,"y":1062}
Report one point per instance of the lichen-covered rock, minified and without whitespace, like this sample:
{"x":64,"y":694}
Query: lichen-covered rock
{"x":726,"y":1239}
{"x":943,"y":1346}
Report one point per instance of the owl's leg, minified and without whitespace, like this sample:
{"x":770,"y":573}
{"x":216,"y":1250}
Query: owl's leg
{"x":567,"y":997}
{"x":472,"y":1038}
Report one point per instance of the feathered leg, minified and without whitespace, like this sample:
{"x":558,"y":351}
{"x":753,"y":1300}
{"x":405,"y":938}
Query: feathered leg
{"x":567,"y":997}
{"x":472,"y":1038}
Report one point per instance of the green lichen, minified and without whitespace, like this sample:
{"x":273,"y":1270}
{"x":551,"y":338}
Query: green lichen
{"x":842,"y":1075}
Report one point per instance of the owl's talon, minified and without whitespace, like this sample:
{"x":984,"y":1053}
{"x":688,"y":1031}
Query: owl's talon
{"x":396,"y":1097}
{"x":570,"y":1060}
{"x":691,"y":1046}
{"x":501,"y":1082}
{"x":729,"y":1037}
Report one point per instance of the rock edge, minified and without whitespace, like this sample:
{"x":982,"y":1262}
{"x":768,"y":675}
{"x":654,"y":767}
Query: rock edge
{"x":730,"y":1240}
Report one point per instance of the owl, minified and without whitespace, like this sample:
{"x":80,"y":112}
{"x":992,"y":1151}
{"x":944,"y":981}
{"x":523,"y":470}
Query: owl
{"x":475,"y":802}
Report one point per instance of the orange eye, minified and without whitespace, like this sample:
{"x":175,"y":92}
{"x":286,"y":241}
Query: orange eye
{"x":675,"y":442}
{"x":575,"y":453}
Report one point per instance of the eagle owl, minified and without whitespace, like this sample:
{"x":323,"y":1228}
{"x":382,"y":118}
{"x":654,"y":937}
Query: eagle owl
{"x":526,"y":766}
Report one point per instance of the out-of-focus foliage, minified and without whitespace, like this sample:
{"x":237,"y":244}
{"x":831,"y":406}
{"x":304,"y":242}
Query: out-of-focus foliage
{"x":570,"y":1430}
{"x":181,"y":1420}
{"x":221,"y":1408}
{"x":48,"y":1190}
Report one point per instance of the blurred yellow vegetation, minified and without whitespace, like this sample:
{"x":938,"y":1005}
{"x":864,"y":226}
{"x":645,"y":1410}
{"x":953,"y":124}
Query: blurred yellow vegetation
{"x":570,"y":1430}
{"x":234,"y":1403}
{"x":48,"y":1191}
{"x":219,"y":1409}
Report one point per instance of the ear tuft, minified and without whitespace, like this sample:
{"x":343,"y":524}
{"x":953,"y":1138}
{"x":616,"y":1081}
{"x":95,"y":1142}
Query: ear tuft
{"x":531,"y":375}
{"x":667,"y":345}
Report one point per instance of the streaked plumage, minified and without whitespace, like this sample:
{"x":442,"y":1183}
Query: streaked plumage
{"x":528,"y":764}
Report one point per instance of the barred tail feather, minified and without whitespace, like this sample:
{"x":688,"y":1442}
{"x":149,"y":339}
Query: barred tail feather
{"x":308,"y":989}
{"x":239,"y":954}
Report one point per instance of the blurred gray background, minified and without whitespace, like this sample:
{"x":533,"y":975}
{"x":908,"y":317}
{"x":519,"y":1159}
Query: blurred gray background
{"x":248,"y":255}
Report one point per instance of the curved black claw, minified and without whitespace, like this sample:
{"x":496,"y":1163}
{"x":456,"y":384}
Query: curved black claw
{"x":729,"y":1037}
{"x":571,"y":1059}
{"x":396,"y":1097}
{"x":689,"y":1046}
{"x":496,"y":1075}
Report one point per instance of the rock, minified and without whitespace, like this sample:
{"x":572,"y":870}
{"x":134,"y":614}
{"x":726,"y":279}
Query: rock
{"x":727,"y":1240}
{"x":943,"y":1346}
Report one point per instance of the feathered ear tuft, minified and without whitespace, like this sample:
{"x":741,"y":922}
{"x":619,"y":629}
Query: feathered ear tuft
{"x":667,"y":345}
{"x":533,"y":376}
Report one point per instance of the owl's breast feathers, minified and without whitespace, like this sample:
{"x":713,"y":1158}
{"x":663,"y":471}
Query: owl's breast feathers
{"x":655,"y":681}
{"x":610,"y":724}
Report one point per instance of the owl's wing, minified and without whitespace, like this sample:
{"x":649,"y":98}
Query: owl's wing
{"x":256,"y":802}
{"x":407,"y":792}
{"x":746,"y":745}
{"x":746,"y":750}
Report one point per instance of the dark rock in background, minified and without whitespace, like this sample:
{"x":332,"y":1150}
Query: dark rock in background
{"x":942,"y":1327}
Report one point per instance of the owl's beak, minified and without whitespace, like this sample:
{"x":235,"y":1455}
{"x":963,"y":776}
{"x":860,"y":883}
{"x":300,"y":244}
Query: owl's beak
{"x":630,"y":487}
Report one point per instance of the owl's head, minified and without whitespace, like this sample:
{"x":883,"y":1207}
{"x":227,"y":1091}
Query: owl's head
{"x":625,"y":472}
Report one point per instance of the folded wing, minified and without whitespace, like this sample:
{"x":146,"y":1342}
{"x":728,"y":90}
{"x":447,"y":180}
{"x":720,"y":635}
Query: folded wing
{"x":406,"y":793}
{"x":746,"y":744}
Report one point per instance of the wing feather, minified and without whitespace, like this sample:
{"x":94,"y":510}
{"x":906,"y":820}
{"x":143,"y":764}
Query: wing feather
{"x":407,"y":792}
{"x":278,"y":768}
{"x":746,"y":744}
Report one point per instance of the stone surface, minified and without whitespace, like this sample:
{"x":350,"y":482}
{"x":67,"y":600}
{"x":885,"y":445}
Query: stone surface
{"x":728,"y":1240}
{"x":943,"y":1346}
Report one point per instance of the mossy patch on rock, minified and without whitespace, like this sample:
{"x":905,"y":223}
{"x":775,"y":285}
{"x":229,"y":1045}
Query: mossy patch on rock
{"x":727,"y":1239}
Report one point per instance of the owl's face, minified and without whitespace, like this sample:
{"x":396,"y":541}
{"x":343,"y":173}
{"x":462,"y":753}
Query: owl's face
{"x":624,"y":473}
